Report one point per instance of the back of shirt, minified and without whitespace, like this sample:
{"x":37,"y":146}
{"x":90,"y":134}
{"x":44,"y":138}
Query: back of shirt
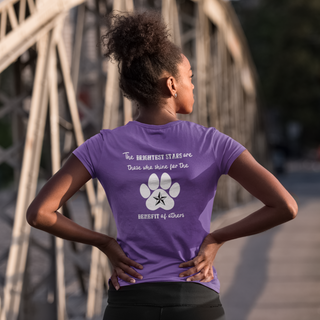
{"x":160,"y":181}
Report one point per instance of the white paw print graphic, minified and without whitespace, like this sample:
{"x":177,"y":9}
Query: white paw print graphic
{"x":159,"y":198}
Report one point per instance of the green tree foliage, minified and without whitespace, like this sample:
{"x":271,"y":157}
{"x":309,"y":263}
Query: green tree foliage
{"x":284,"y":39}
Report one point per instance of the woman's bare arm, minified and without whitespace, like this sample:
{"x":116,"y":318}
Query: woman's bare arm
{"x":42,"y":214}
{"x":279,"y":207}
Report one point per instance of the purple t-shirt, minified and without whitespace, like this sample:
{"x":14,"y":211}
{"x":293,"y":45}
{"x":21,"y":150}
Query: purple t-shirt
{"x":160,"y":181}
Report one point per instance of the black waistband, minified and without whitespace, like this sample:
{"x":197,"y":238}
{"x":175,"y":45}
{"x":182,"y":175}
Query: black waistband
{"x":164,"y":294}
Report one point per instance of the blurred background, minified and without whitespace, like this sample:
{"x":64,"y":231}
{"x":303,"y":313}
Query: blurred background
{"x":284,"y":41}
{"x":257,"y":77}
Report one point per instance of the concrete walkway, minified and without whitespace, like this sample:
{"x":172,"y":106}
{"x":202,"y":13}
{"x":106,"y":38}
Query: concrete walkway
{"x":275,"y":275}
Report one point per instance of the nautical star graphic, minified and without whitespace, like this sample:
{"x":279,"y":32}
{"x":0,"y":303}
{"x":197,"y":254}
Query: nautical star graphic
{"x":160,"y":196}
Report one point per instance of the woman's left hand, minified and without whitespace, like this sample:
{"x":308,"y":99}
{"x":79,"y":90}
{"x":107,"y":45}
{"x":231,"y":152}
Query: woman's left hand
{"x":201,"y":265}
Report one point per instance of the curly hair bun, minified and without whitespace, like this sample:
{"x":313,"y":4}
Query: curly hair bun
{"x":140,"y":43}
{"x":135,"y":35}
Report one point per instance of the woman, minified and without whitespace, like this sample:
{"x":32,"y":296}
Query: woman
{"x":160,"y":175}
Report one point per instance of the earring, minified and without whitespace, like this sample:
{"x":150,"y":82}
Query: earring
{"x":175,"y":95}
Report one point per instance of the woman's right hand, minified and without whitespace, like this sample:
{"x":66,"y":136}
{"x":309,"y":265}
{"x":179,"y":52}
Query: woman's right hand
{"x":120,"y":262}
{"x":42,"y":214}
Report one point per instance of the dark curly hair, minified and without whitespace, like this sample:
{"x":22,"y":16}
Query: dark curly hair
{"x":140,"y":43}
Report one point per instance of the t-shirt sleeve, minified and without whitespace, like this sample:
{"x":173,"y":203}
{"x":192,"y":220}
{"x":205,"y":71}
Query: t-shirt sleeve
{"x":89,"y":153}
{"x":226,"y":150}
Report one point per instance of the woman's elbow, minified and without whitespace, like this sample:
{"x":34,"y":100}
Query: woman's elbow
{"x":291,"y":210}
{"x":33,"y":217}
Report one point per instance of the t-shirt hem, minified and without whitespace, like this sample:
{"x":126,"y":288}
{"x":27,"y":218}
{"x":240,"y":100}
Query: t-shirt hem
{"x":84,"y":163}
{"x":214,"y":286}
{"x":234,"y":156}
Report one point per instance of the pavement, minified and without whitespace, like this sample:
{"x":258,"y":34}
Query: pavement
{"x":275,"y":275}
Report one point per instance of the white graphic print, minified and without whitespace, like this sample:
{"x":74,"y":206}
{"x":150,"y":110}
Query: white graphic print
{"x":159,"y":198}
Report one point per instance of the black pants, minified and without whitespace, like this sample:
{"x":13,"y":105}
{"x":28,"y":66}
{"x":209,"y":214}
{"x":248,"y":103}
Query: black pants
{"x":163,"y":301}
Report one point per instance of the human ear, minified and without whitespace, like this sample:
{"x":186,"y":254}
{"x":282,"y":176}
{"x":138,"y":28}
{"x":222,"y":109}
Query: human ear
{"x":172,"y":85}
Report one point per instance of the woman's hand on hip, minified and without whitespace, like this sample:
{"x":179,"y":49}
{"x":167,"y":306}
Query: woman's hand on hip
{"x":201,"y":265}
{"x":122,"y":265}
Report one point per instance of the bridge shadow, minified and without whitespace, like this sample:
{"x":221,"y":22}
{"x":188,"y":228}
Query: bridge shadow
{"x":251,"y":275}
{"x":250,"y":278}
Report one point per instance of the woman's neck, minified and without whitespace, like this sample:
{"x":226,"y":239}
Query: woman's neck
{"x":156,"y":116}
